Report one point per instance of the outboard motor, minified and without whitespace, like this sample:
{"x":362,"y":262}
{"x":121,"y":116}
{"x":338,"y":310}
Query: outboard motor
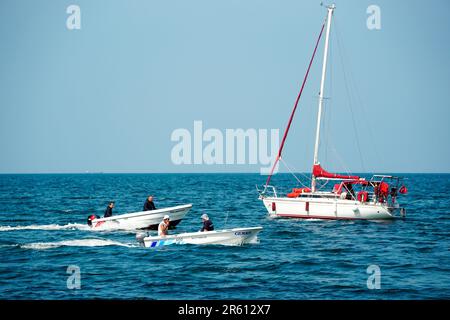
{"x":140,"y":237}
{"x":91,"y":218}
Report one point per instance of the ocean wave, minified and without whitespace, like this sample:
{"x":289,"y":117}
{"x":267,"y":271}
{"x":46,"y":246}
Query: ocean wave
{"x":70,"y":226}
{"x":76,"y":243}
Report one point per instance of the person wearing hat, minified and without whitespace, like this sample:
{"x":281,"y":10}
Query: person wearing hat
{"x":108,"y":211}
{"x":164,"y":226}
{"x":207,"y":224}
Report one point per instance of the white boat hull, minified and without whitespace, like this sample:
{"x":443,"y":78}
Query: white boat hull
{"x":232,"y":237}
{"x":326,"y":208}
{"x":142,"y":220}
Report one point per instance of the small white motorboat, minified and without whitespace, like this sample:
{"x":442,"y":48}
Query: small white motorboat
{"x":230,"y":237}
{"x":139,"y":220}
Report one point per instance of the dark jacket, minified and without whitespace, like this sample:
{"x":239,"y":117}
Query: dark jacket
{"x":108,"y":212}
{"x":207,"y":225}
{"x":149,"y":205}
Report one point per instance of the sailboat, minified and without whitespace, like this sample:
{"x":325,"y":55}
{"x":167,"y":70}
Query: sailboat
{"x":352,"y":197}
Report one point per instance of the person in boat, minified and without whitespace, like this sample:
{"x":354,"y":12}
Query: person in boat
{"x":351,"y":192}
{"x":393,"y":194}
{"x":207,"y":224}
{"x":108,"y":211}
{"x":149,"y":205}
{"x":163,"y":227}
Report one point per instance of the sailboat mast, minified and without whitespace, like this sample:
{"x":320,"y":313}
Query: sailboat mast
{"x":322,"y":85}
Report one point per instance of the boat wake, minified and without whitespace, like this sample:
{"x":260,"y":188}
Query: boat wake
{"x":76,"y":243}
{"x":70,"y":226}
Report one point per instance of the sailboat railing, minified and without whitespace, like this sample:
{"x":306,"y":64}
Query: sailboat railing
{"x":267,"y":191}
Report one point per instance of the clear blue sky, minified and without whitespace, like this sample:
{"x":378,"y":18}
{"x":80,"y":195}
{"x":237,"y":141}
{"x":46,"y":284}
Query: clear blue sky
{"x":107,"y":97}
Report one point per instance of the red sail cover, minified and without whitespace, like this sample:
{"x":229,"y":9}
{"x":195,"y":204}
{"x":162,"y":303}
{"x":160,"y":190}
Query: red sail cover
{"x":318,"y":172}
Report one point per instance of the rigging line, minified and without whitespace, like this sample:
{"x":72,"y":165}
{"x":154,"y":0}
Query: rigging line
{"x":379,"y":156}
{"x":292,"y":171}
{"x":296,"y":178}
{"x":344,"y":167}
{"x":323,"y":185}
{"x":295,"y":107}
{"x":349,"y":97}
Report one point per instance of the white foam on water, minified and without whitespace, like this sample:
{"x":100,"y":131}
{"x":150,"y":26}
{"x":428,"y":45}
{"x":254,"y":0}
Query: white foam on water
{"x":75,"y":243}
{"x":8,"y":245}
{"x":70,"y":226}
{"x":255,"y":240}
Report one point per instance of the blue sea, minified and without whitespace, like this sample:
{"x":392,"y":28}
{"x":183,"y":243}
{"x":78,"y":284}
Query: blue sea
{"x":43,"y":231}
